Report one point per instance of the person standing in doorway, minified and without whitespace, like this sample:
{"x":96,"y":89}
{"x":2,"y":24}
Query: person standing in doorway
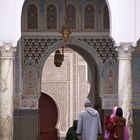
{"x":89,"y":124}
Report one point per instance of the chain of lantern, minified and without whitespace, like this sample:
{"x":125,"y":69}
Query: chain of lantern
{"x":59,"y":57}
{"x":65,"y":31}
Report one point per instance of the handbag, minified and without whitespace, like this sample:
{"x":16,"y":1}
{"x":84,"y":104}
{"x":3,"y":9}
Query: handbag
{"x":106,"y":134}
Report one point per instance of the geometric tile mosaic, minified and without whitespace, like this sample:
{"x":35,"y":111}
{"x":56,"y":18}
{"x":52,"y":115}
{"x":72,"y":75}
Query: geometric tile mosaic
{"x":103,"y":46}
{"x":34,"y":48}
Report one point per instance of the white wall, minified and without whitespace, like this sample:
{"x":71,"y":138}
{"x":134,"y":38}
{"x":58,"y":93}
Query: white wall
{"x":137,"y":19}
{"x":123,"y":24}
{"x":10,"y":20}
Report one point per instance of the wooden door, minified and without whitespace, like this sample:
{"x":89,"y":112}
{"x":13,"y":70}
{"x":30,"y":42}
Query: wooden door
{"x":48,"y":118}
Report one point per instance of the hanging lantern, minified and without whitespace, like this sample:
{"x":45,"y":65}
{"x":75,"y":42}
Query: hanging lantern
{"x":65,"y":32}
{"x":58,"y":58}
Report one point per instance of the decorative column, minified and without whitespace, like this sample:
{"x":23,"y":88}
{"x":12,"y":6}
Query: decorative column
{"x":125,"y":84}
{"x":6,"y":92}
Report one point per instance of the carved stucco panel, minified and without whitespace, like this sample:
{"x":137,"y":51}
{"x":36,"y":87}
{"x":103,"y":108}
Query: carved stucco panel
{"x":110,"y":78}
{"x":30,"y":78}
{"x":83,"y":85}
{"x":52,"y":73}
{"x":59,"y":92}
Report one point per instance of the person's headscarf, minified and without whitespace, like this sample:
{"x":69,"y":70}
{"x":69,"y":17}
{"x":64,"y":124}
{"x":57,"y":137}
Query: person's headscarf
{"x":113,"y":111}
{"x":119,"y":112}
{"x":75,"y":122}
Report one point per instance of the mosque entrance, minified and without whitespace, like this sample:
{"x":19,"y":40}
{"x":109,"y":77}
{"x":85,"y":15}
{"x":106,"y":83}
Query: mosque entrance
{"x":48,"y":118}
{"x":69,"y":87}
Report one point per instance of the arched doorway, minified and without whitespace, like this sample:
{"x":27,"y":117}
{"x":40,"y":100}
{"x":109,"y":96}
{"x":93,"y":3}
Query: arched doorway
{"x":39,"y":53}
{"x":47,"y":118}
{"x":57,"y":82}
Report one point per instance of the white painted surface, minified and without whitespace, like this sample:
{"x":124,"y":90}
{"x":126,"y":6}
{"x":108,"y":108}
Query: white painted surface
{"x":125,"y":20}
{"x":10,"y":20}
{"x":137,"y":19}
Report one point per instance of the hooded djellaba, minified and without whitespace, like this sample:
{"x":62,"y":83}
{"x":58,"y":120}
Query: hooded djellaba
{"x":89,"y":125}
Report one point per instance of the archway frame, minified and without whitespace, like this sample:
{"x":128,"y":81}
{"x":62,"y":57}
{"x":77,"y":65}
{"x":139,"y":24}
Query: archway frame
{"x":86,"y":51}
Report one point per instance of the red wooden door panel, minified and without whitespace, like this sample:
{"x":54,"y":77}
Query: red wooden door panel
{"x":48,"y":118}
